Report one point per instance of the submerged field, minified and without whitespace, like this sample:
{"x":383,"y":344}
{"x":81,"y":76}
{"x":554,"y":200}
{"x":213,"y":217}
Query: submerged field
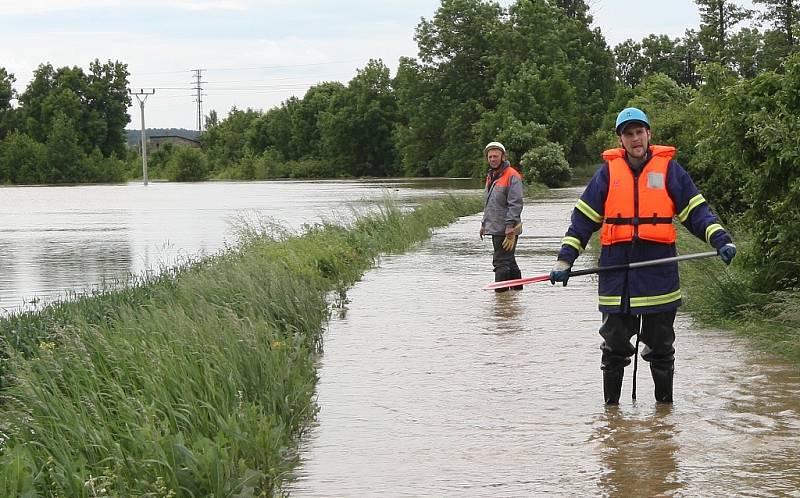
{"x":197,"y":382}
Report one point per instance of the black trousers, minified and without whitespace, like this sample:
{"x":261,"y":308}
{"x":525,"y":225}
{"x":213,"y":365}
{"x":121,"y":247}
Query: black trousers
{"x":504,"y":262}
{"x":657,"y":334}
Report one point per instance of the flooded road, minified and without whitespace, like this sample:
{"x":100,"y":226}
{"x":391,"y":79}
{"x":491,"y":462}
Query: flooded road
{"x":58,"y":240}
{"x":431,"y":387}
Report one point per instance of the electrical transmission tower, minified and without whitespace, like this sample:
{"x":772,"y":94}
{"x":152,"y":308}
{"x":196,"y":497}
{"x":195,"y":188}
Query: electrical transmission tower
{"x":198,"y":77}
{"x":141,"y":96}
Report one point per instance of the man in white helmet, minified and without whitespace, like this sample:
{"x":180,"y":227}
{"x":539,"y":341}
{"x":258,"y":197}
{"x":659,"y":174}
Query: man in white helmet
{"x":502,"y":211}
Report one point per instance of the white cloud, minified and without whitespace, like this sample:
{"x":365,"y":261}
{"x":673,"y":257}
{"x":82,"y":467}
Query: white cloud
{"x":43,"y":6}
{"x":263,"y":51}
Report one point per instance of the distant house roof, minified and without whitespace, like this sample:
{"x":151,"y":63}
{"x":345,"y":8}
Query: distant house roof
{"x":175,"y":139}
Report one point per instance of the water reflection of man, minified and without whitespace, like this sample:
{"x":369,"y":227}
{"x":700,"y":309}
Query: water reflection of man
{"x":502,"y":213}
{"x":639,"y":454}
{"x":507,"y":312}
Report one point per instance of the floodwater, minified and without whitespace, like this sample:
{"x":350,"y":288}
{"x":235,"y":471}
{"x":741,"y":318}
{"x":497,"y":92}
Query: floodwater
{"x":431,"y":387}
{"x":55,"y":241}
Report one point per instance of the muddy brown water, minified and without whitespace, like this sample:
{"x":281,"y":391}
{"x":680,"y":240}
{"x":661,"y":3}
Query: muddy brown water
{"x":429,"y":386}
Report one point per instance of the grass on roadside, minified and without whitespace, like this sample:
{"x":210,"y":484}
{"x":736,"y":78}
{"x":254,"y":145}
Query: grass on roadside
{"x":725,"y":297}
{"x":197,"y":382}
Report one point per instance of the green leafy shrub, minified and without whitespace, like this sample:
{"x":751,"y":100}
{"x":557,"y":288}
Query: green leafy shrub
{"x":547,"y":165}
{"x":187,"y":164}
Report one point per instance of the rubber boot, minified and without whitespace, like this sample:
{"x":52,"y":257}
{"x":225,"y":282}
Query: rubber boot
{"x":501,"y":274}
{"x":516,"y":273}
{"x":662,"y":378}
{"x":612,"y":385}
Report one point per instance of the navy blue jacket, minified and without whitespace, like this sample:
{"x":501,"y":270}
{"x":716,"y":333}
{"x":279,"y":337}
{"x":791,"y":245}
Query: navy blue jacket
{"x":650,"y":289}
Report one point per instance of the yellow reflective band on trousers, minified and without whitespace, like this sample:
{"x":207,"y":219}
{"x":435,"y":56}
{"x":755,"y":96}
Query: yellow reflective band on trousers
{"x":610,"y":300}
{"x":641,"y":302}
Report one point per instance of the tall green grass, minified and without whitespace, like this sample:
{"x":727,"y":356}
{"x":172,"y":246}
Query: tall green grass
{"x":197,"y":382}
{"x":727,"y":296}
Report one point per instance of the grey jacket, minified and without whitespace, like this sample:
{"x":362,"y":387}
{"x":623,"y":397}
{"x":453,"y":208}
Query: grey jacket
{"x":502,"y":199}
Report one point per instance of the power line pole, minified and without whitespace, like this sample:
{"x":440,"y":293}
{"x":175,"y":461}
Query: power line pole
{"x":198,"y":76}
{"x":141,"y":96}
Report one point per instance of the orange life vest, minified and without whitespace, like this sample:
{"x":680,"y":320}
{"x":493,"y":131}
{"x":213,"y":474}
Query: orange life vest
{"x":643,"y":210}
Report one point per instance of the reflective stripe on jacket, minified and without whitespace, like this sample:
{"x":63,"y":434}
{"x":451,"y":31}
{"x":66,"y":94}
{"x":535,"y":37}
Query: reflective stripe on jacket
{"x":638,"y":205}
{"x":503,"y":200}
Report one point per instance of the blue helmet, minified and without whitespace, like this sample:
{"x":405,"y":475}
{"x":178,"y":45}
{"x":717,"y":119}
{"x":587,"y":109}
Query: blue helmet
{"x":628,"y":115}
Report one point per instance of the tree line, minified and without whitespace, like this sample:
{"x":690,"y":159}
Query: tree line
{"x":68,"y":127}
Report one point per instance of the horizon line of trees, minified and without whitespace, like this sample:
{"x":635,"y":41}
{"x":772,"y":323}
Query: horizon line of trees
{"x":534,"y":75}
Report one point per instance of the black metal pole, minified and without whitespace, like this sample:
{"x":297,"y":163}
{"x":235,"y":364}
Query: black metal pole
{"x":641,"y":264}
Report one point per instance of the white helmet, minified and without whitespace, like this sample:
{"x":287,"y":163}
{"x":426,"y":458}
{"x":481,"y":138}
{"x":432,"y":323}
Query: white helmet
{"x":494,"y":145}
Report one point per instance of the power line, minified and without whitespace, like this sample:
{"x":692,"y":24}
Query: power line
{"x":257,"y":67}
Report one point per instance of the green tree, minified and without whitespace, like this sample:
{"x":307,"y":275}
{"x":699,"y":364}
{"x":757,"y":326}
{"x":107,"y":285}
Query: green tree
{"x":690,"y":51}
{"x":225,"y":143}
{"x":418,"y":131}
{"x":107,"y":100}
{"x":574,"y":9}
{"x":748,"y":158}
{"x":306,"y":138}
{"x":452,"y":80}
{"x":212,"y":119}
{"x":542,"y":97}
{"x":566,"y":63}
{"x":718,"y":18}
{"x":65,"y":157}
{"x":783,"y":15}
{"x":356,"y":130}
{"x":547,"y":165}
{"x":723,"y":144}
{"x":187,"y":164}
{"x":662,"y":55}
{"x":7,"y":93}
{"x":665,"y":102}
{"x":22,"y":160}
{"x":96,"y":104}
{"x":747,"y":52}
{"x":631,"y":64}
{"x":101,"y":169}
{"x":273,"y":130}
{"x":655,"y":54}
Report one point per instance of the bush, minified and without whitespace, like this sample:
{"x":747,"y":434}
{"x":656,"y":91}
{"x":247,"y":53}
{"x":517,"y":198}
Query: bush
{"x":187,"y":165}
{"x":104,"y":170}
{"x":547,"y":165}
{"x":22,"y":160}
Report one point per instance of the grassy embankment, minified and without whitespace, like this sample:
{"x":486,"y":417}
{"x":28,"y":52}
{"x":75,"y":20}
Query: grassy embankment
{"x":723,"y":297}
{"x":195,"y":383}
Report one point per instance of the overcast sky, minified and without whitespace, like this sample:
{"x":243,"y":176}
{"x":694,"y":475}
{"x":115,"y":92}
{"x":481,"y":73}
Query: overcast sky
{"x":254,"y":54}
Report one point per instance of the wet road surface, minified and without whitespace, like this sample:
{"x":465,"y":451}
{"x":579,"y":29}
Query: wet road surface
{"x":431,"y":387}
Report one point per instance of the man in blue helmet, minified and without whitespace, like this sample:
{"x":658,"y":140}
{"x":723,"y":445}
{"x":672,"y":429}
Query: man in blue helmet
{"x":633,"y":198}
